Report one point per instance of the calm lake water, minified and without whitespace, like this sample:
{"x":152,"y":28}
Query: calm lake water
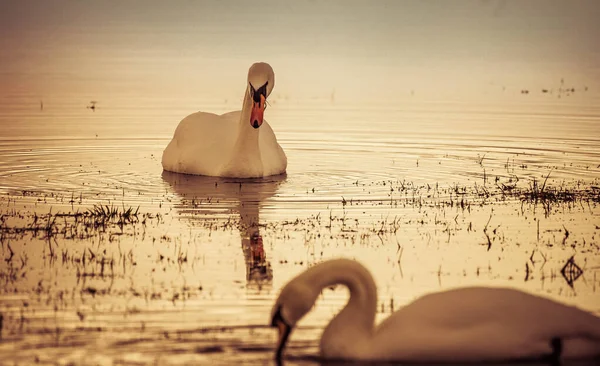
{"x":430,"y":191}
{"x":396,"y":186}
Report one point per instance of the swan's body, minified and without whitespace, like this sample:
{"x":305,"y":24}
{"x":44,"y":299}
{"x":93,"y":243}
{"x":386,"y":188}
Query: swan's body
{"x":237,"y":144}
{"x":467,"y":324}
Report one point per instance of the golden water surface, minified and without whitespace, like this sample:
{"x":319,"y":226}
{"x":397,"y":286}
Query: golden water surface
{"x":106,"y":259}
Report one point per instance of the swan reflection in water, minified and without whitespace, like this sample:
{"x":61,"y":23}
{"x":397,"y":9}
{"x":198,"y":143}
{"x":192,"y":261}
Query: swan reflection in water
{"x":230,"y":195}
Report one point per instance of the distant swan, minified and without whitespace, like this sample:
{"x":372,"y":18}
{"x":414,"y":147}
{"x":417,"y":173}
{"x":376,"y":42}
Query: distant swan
{"x":232,"y":144}
{"x":462,"y":325}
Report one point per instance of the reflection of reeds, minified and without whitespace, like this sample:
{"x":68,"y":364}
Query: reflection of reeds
{"x":489,"y":242}
{"x":70,"y":223}
{"x":339,"y":220}
{"x":52,"y":227}
{"x":13,"y":270}
{"x":538,"y":193}
{"x":106,"y":213}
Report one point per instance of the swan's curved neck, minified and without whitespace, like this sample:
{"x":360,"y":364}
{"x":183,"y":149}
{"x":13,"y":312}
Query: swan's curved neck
{"x":356,"y":320}
{"x":247,"y":140}
{"x":246,"y":132}
{"x":246,"y":109}
{"x":245,"y":159}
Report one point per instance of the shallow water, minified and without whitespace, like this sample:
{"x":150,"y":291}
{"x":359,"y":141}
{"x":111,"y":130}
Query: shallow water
{"x":399,"y":190}
{"x":432,"y":168}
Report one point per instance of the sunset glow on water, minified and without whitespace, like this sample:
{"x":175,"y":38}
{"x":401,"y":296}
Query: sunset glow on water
{"x":440,"y":146}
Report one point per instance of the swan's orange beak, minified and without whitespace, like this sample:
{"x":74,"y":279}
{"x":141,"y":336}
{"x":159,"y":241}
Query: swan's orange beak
{"x":258,"y":111}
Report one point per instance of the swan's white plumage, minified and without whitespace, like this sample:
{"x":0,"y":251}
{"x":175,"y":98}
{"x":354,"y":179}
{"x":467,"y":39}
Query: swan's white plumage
{"x":467,"y":324}
{"x":227,"y":145}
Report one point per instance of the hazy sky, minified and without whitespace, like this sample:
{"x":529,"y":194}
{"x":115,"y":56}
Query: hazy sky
{"x":315,"y":46}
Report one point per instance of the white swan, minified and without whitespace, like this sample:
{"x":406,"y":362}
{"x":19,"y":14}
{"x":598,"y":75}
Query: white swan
{"x":237,"y":144}
{"x":463,"y":325}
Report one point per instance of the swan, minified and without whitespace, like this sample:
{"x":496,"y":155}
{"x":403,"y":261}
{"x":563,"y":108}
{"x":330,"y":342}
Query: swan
{"x":238,"y":144}
{"x":473,"y":324}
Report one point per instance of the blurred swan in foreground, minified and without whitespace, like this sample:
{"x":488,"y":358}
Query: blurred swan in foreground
{"x":461,"y":325}
{"x":238,"y":144}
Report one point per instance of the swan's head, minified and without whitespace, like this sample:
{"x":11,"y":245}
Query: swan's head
{"x":295,"y":300}
{"x":261,"y":80}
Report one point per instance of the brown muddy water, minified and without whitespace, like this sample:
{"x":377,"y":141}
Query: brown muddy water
{"x":470,"y":172}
